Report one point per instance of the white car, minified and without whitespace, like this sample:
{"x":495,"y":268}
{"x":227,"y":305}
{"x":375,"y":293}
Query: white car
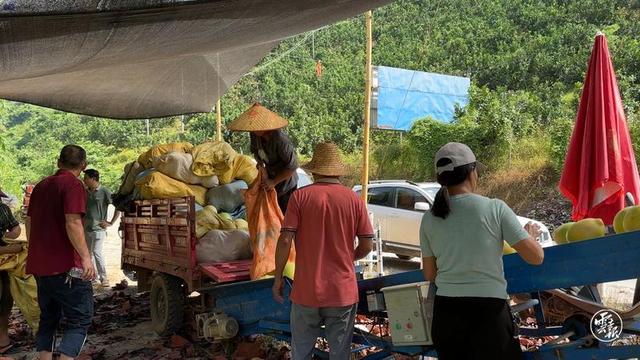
{"x":397,"y":208}
{"x":303,"y":178}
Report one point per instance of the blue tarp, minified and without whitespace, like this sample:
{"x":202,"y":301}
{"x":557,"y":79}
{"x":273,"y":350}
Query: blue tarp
{"x":401,"y":97}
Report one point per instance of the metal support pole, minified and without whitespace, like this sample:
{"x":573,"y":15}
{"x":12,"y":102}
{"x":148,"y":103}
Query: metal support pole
{"x":218,"y":121}
{"x":367,"y":110}
{"x":630,"y":201}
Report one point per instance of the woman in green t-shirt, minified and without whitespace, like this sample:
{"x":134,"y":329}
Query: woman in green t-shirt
{"x":462,"y":240}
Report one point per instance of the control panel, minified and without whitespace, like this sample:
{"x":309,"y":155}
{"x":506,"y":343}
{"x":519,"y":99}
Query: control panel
{"x":410,"y":311}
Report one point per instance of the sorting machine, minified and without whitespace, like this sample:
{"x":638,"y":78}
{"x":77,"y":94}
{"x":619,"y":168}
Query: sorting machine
{"x":216,"y":302}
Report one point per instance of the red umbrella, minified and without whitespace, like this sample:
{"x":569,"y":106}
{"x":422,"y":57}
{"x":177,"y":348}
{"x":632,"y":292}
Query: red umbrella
{"x":600,"y":167}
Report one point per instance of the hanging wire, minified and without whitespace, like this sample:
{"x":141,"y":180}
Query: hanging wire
{"x":279,"y":57}
{"x":310,"y":34}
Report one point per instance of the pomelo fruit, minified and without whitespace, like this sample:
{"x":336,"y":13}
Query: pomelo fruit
{"x":506,"y":249}
{"x":631,"y":220}
{"x":560,"y":234}
{"x":618,"y":221}
{"x":289,"y":270}
{"x":586,"y":229}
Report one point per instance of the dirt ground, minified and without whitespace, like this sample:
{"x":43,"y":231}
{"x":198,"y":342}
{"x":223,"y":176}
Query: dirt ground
{"x":123,"y":339}
{"x":123,"y":329}
{"x":112,"y":252}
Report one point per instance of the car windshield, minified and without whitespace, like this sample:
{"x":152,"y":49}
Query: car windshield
{"x":431,"y":190}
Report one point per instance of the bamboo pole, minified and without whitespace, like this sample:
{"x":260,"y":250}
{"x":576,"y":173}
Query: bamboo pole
{"x":367,"y":110}
{"x":218,"y":121}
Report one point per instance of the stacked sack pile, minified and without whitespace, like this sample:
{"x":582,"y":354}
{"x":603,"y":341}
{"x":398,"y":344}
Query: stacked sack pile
{"x":215,"y":175}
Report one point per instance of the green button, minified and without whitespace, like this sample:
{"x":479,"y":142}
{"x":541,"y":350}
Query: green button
{"x":398,"y":326}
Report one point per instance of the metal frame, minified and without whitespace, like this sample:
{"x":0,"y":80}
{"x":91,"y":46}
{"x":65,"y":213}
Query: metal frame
{"x":605,"y":259}
{"x":375,"y":257}
{"x":150,"y":236}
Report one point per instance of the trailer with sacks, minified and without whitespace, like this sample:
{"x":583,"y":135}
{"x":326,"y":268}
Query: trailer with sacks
{"x":159,"y":243}
{"x":217,"y":301}
{"x":127,"y":50}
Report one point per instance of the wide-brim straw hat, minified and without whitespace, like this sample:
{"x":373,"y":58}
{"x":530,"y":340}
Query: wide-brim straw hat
{"x":258,"y":118}
{"x":326,"y":161}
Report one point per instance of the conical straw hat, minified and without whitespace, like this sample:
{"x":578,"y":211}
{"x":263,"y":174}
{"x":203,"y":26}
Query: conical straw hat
{"x":258,"y":118}
{"x":326,"y":161}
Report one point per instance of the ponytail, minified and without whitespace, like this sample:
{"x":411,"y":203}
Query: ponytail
{"x":441,"y":206}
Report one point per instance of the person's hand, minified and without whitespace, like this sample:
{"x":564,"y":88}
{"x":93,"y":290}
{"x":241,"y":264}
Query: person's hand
{"x":533,"y":229}
{"x":13,"y":248}
{"x":277,"y":290}
{"x":89,"y":270}
{"x":105,"y":224}
{"x":263,"y":172}
{"x":268,"y":184}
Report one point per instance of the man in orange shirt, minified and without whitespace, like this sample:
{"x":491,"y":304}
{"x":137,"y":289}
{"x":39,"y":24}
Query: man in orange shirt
{"x":324,"y":220}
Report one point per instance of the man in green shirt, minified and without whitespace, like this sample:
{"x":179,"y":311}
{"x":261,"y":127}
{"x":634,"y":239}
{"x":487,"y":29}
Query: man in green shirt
{"x":95,"y":220}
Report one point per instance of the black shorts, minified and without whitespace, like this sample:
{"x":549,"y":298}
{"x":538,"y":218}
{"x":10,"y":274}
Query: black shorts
{"x":474,"y":328}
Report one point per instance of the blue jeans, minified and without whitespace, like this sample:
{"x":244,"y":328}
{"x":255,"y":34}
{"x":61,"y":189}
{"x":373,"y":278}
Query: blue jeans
{"x":60,"y":298}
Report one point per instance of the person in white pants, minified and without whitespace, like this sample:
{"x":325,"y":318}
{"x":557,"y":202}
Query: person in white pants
{"x":95,"y":221}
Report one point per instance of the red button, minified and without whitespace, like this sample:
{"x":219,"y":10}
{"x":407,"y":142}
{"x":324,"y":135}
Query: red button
{"x":409,"y":326}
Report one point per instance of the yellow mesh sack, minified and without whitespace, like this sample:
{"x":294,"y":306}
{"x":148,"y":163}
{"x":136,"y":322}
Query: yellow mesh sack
{"x":212,"y":158}
{"x":23,"y":286}
{"x":208,"y":219}
{"x":146,"y":158}
{"x":244,"y":168}
{"x":159,"y":186}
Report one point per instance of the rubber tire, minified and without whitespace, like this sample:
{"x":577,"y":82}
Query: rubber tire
{"x":167,"y":304}
{"x":404,"y":257}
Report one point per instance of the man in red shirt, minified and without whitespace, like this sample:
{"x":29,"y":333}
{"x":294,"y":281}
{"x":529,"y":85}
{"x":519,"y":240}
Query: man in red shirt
{"x":59,"y":258}
{"x":324,"y":220}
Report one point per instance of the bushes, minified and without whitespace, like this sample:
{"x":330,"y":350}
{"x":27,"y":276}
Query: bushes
{"x":502,"y":127}
{"x":490,"y":124}
{"x":633,"y":121}
{"x":559,"y":137}
{"x":9,"y":181}
{"x":394,"y":157}
{"x":525,"y":58}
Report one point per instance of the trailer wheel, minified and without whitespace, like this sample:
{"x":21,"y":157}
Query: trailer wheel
{"x":167,"y":304}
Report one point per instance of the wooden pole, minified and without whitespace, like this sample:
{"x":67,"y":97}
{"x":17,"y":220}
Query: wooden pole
{"x":367,"y":110}
{"x":218,"y":121}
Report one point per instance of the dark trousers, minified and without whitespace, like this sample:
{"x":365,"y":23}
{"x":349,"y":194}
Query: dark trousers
{"x":306,"y":327}
{"x":61,"y":298}
{"x":474,"y":328}
{"x":283,"y":200}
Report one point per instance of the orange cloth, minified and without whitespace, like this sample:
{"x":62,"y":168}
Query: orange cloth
{"x":265,"y":219}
